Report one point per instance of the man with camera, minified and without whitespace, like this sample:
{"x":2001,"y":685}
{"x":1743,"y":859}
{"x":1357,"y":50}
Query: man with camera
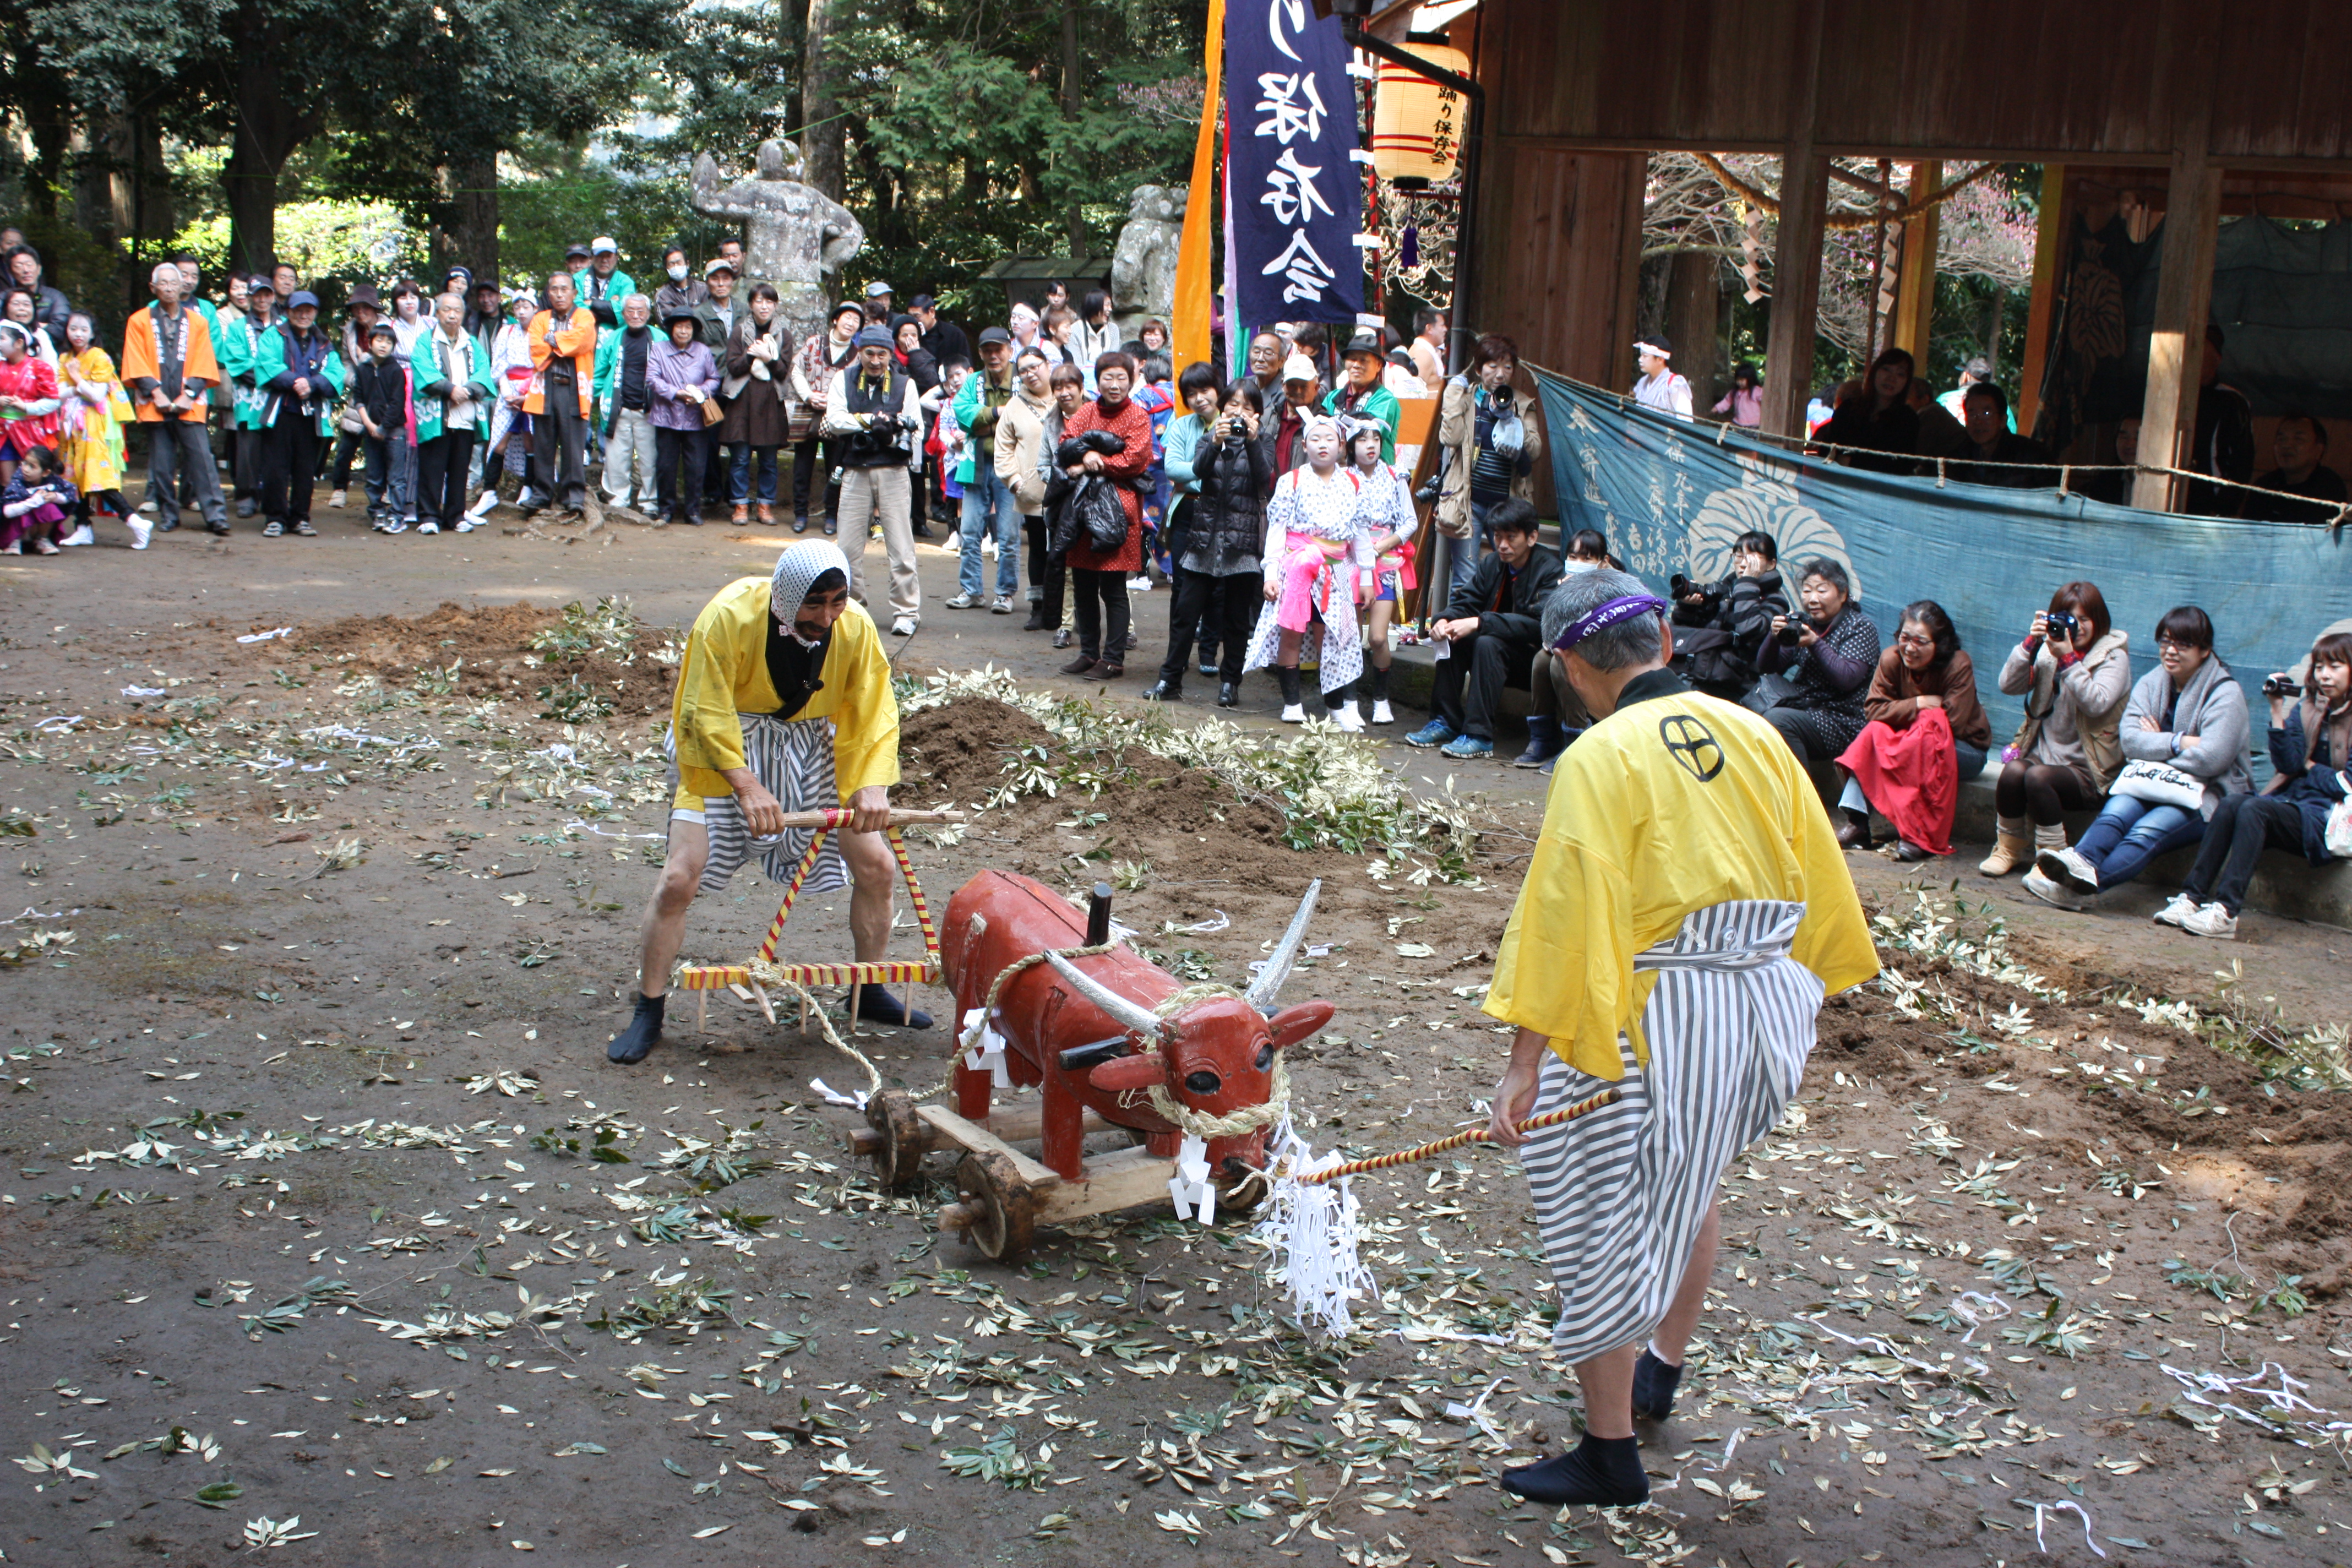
{"x":871,"y":412}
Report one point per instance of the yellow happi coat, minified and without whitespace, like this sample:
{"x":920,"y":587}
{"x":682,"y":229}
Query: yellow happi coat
{"x":725,"y":673}
{"x":1674,"y":803}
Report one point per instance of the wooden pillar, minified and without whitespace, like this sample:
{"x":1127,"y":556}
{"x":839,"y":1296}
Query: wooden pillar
{"x":1797,"y":253}
{"x":1915,"y":284}
{"x":2050,"y":241}
{"x":2175,"y":348}
{"x":1693,"y":317}
{"x":1796,"y":292}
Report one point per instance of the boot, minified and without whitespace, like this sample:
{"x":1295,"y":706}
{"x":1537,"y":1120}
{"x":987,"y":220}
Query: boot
{"x":1543,"y":742}
{"x":766,"y":515}
{"x":742,"y":515}
{"x":1293,"y":711}
{"x":2012,"y":847}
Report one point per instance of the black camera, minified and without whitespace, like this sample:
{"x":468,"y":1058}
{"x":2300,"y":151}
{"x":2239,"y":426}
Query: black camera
{"x":1679,"y":587}
{"x":2061,"y":624}
{"x":1793,"y":633}
{"x":2282,"y":686}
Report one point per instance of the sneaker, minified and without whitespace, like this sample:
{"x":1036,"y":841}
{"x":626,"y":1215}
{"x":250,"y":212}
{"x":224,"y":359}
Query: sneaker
{"x":1382,"y":714}
{"x":468,"y":524}
{"x":336,"y":500}
{"x":146,"y":506}
{"x":904,"y":627}
{"x":1436,"y":733}
{"x":2176,"y":912}
{"x":2050,"y":891}
{"x":81,"y":535}
{"x":1003,"y":605}
{"x":1293,"y":713}
{"x":964,"y":601}
{"x":487,"y":504}
{"x":2069,"y":867}
{"x":272,"y":529}
{"x":1140,"y":584}
{"x":1467,"y":748}
{"x":1065,"y":637}
{"x":393,"y":525}
{"x":141,"y":531}
{"x":2214,"y":920}
{"x":304,"y":529}
{"x":428,"y":526}
{"x":1349,"y":721}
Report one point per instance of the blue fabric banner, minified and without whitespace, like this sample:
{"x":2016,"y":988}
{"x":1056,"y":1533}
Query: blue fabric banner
{"x":1295,"y":192}
{"x":1673,"y":496}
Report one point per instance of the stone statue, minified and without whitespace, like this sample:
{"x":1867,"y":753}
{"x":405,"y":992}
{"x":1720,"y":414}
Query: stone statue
{"x":798,"y":233}
{"x":1143,"y":266}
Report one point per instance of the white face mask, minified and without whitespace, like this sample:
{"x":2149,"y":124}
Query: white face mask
{"x":1579,"y":568}
{"x":678,"y":274}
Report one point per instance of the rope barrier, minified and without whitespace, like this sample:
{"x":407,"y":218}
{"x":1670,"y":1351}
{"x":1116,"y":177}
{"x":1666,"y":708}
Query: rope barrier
{"x":1565,"y":1113}
{"x":1801,"y":446}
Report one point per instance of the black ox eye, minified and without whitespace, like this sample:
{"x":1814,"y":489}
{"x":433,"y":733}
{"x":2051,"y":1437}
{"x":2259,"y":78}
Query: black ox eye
{"x":1266,"y":1056}
{"x":1203,"y":1082}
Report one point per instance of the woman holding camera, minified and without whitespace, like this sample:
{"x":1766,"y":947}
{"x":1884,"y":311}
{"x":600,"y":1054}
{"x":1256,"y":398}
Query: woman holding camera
{"x":1820,"y":662}
{"x":1217,"y":529}
{"x":2311,"y":744}
{"x":2184,"y":732}
{"x":1907,"y":764}
{"x":1728,"y":621}
{"x":2074,"y":669}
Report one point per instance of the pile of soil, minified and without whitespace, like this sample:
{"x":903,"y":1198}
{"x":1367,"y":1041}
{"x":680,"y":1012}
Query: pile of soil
{"x":488,"y":643}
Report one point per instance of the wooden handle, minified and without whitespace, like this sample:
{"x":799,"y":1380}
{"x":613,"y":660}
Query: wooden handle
{"x":900,"y":817}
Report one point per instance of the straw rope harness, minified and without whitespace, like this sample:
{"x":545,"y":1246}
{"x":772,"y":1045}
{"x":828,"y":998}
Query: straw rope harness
{"x":1582,"y":1108}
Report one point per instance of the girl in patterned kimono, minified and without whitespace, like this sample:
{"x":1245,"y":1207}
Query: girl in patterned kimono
{"x":92,"y":405}
{"x":1385,"y":517}
{"x":1317,"y":560}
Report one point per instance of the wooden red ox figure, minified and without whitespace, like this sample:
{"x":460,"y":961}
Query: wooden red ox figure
{"x":1089,"y":1034}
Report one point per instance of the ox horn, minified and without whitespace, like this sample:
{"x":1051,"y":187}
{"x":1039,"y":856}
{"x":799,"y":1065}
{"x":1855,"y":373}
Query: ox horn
{"x":1127,"y":1012}
{"x":1268,"y":984}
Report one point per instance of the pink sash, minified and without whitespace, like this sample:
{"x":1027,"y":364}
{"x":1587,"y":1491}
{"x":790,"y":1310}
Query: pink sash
{"x":1306,"y":580}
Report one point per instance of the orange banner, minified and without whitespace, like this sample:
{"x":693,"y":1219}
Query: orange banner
{"x":1193,"y":257}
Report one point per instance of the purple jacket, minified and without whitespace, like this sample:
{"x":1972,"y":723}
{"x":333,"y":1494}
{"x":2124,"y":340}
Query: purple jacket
{"x":670,"y":370}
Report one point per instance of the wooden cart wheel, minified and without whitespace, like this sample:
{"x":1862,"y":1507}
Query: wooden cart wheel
{"x":1002,"y":1207}
{"x":898,"y":1156}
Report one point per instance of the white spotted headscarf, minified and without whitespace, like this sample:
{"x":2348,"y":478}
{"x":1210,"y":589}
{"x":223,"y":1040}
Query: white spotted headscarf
{"x":800,"y":565}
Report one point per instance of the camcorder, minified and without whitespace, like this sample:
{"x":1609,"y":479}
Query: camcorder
{"x":2282,"y":686}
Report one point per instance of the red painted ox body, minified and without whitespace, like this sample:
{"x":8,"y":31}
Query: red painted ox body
{"x":1216,"y":1055}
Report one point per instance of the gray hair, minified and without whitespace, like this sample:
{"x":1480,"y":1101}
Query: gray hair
{"x":1640,"y":640}
{"x":647,"y":300}
{"x":1831,"y":571}
{"x":163,"y":267}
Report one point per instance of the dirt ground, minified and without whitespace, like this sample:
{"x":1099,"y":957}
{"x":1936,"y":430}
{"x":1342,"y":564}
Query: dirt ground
{"x":302,"y":1216}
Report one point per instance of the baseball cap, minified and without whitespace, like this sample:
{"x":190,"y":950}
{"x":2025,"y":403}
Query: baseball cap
{"x":719,"y":264}
{"x":1299,"y":367}
{"x":259,"y":283}
{"x":602,"y":245}
{"x":876,"y":289}
{"x":300,"y":297}
{"x":995,"y":335}
{"x":571,"y":250}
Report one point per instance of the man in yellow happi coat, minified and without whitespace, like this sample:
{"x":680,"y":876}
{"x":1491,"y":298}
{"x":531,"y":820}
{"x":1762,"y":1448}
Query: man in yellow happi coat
{"x":1685,"y":912}
{"x":782,"y":704}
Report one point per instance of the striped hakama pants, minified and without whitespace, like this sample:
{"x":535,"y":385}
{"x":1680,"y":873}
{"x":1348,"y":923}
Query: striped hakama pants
{"x":793,"y":760}
{"x":1620,"y":1194}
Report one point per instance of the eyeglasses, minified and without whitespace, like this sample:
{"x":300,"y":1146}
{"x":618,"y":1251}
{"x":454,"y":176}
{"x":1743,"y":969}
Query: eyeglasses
{"x":1905,"y":640}
{"x":2165,"y":645}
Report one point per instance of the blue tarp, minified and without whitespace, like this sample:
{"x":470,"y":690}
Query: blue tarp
{"x":1670,"y":497}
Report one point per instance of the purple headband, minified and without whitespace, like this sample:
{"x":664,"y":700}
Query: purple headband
{"x":1609,"y":615}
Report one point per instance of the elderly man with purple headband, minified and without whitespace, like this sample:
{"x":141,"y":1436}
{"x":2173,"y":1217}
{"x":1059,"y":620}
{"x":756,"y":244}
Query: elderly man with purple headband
{"x":1685,"y":912}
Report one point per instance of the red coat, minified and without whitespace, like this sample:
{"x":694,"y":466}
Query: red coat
{"x":1132,"y":425}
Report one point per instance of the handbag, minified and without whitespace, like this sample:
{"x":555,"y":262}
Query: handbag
{"x":2159,"y":784}
{"x":711,"y":413}
{"x":2338,"y":838}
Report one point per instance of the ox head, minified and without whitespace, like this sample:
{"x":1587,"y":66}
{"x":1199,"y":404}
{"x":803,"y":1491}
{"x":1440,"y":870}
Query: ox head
{"x":1217,"y":1055}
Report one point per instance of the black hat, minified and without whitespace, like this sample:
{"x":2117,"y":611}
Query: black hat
{"x":1363,"y":343}
{"x":995,"y":335}
{"x":678,"y":313}
{"x":571,"y":250}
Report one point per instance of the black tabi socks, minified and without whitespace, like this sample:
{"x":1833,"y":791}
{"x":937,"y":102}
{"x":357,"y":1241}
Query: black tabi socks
{"x":641,"y":1035}
{"x":1379,"y":683}
{"x":1654,"y":1387}
{"x":1603,"y":1472}
{"x":1288,"y":676}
